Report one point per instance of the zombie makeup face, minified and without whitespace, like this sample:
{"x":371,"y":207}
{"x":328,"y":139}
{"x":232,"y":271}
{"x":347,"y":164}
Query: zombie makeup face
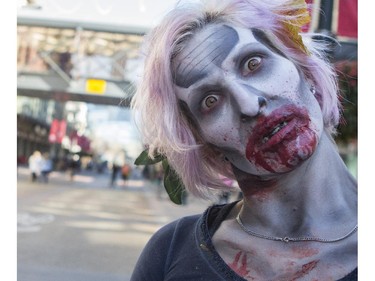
{"x":248,"y":101}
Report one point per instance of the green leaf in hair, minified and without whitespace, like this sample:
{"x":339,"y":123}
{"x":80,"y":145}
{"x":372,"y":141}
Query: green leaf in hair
{"x":144,"y":159}
{"x":172,"y":183}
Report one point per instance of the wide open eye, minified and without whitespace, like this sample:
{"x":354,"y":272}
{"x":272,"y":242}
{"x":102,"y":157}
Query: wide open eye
{"x":251,"y":64}
{"x":209,"y":102}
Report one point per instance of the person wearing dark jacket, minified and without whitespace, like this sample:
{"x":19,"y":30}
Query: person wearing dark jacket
{"x":233,"y":88}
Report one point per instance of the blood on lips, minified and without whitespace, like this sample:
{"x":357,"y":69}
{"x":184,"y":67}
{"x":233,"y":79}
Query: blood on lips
{"x":282,"y":140}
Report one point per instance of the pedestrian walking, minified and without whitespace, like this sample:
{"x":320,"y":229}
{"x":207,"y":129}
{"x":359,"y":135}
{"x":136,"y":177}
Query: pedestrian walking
{"x":117,"y":164}
{"x":125,"y":172}
{"x":73,"y":165}
{"x":46,"y":167}
{"x":35,"y":161}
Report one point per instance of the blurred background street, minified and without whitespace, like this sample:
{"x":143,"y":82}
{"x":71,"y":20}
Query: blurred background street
{"x":86,"y":230}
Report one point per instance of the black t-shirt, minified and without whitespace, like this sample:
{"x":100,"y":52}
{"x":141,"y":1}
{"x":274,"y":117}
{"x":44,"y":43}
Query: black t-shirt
{"x":183,"y":251}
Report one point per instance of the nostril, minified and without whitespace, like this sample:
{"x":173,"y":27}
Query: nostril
{"x":262,"y":101}
{"x":248,"y":115}
{"x":262,"y":104}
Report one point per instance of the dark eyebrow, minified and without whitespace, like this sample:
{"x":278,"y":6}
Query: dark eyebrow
{"x":253,"y":47}
{"x":262,"y":38}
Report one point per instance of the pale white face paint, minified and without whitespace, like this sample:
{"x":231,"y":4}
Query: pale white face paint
{"x":221,"y":82}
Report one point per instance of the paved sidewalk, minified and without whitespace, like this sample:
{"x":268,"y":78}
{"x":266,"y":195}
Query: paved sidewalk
{"x":86,"y":230}
{"x":155,"y":194}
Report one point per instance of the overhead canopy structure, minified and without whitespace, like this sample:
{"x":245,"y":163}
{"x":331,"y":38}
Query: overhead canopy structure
{"x":82,"y":50}
{"x":52,"y":61}
{"x":53,"y":87}
{"x":77,"y":65}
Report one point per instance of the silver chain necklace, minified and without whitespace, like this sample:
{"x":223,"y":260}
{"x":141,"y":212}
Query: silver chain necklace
{"x":287,"y":239}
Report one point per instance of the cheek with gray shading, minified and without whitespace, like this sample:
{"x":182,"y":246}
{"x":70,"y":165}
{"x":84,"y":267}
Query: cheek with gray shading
{"x":193,"y":65}
{"x":188,"y":114}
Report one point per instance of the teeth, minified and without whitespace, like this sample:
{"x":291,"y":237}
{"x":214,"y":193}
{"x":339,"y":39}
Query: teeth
{"x":275,"y":130}
{"x":278,"y":128}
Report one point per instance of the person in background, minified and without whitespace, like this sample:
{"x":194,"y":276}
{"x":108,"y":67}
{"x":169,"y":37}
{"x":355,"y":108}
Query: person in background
{"x":73,"y":165}
{"x":35,"y":161}
{"x":233,"y":87}
{"x":117,"y":164}
{"x":125,"y":172}
{"x":46,"y":167}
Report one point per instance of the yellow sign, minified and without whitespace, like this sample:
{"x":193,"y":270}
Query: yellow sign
{"x":96,"y":86}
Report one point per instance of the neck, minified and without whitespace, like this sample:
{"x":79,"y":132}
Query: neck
{"x":320,"y":192}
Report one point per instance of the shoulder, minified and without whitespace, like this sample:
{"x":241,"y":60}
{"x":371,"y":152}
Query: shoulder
{"x":163,"y":246}
{"x":175,"y":236}
{"x":178,"y":238}
{"x":176,"y":248}
{"x":177,"y":227}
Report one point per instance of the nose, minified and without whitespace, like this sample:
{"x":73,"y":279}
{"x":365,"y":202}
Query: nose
{"x":250,"y":102}
{"x":262,"y":102}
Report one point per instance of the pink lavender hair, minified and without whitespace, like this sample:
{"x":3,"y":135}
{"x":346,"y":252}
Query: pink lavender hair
{"x":164,"y":126}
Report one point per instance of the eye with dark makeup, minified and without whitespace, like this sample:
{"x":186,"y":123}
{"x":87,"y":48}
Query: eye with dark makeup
{"x":251,"y":64}
{"x":209,"y":102}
